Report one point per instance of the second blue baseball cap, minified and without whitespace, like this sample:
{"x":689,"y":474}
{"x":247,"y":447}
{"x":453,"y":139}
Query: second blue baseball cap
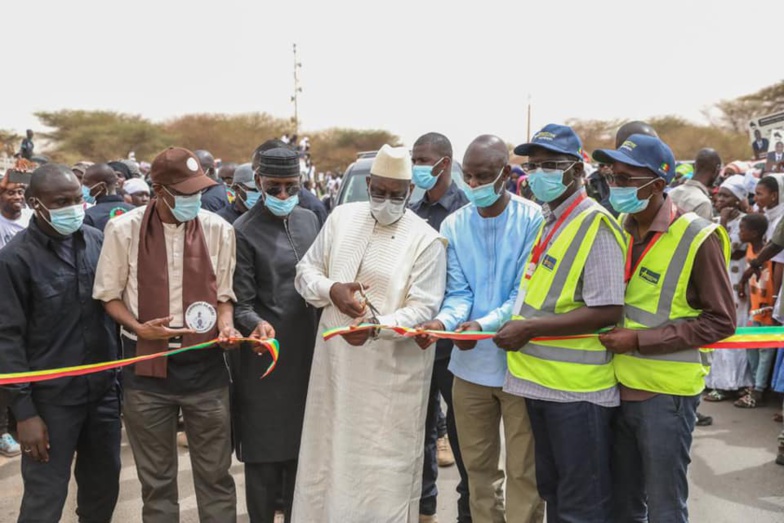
{"x":556,"y":138}
{"x":640,"y":150}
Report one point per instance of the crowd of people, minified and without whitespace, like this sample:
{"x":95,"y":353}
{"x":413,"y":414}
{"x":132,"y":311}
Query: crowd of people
{"x":597,"y":288}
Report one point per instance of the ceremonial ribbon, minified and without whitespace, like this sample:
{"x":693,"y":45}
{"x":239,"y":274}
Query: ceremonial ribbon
{"x":744,"y":338}
{"x":272,"y":346}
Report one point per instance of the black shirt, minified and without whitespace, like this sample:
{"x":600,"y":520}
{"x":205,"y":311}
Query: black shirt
{"x":26,"y":150}
{"x":48,"y":318}
{"x":309,"y":201}
{"x":434,"y":213}
{"x":214,"y":198}
{"x":229,"y":213}
{"x":106,"y":208}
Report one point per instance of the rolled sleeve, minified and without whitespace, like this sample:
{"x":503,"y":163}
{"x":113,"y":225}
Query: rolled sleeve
{"x":111,"y":274}
{"x":604,"y":269}
{"x":227,"y":261}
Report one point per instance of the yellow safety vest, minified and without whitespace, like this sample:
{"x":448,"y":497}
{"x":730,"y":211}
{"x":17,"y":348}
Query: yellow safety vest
{"x":655,"y":296}
{"x":577,"y":365}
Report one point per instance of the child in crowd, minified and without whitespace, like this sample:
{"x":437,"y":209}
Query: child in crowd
{"x":761,"y":293}
{"x":730,"y":369}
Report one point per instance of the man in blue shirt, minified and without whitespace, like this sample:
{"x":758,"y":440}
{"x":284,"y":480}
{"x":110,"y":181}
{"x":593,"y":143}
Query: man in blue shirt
{"x":489,"y":242}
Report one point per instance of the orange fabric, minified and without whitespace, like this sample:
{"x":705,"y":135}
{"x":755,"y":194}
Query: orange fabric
{"x":761,"y":291}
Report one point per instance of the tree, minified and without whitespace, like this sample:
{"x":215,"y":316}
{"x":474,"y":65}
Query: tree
{"x":100,"y":136}
{"x":735,"y":114}
{"x":228,"y":137}
{"x":335,"y":149}
{"x":9,"y":142}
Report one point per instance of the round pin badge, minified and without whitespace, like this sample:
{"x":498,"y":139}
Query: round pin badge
{"x":201,"y":317}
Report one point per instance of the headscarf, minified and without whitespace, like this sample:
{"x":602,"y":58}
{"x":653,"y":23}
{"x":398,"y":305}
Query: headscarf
{"x":136,"y":185}
{"x":736,"y":184}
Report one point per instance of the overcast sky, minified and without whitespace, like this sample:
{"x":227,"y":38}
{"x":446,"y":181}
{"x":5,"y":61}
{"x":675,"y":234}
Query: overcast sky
{"x":405,"y":66}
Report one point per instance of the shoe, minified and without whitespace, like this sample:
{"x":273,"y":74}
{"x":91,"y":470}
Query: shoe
{"x":444,"y":452}
{"x":779,"y":461}
{"x":280,"y":517}
{"x":704,"y":421}
{"x":182,"y":440}
{"x":428,"y":519}
{"x":8,"y":446}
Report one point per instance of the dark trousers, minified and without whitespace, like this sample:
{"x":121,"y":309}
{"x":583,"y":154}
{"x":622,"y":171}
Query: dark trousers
{"x":651,"y":457}
{"x":5,"y":401}
{"x":92,"y":432}
{"x":263,"y":483}
{"x":441,"y":385}
{"x":151,"y":425}
{"x":573,"y":444}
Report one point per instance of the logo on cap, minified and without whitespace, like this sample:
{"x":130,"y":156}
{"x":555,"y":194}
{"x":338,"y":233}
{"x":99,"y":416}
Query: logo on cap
{"x":628,"y":144}
{"x":201,"y":317}
{"x":192,"y":164}
{"x":665,"y":167}
{"x":544,"y":135}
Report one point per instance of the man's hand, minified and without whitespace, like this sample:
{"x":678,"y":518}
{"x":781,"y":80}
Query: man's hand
{"x":747,"y":274}
{"x":423,"y":340}
{"x":358,"y":337}
{"x":742,"y":291}
{"x":34,"y":438}
{"x":514,"y":335}
{"x":467,"y":326}
{"x":158,"y":329}
{"x":620,"y":340}
{"x":262,"y":331}
{"x":227,"y":333}
{"x":343,"y":296}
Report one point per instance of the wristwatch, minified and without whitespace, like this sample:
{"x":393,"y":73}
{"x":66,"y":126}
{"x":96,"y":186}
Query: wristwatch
{"x":755,"y":263}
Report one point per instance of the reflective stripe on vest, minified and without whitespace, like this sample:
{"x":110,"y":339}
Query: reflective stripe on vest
{"x":671,"y":259}
{"x":576,"y":365}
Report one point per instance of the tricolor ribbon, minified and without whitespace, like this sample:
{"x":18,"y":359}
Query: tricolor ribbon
{"x":272,"y":346}
{"x":744,"y":338}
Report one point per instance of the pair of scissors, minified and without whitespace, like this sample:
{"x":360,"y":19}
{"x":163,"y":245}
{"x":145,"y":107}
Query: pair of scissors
{"x":374,"y":314}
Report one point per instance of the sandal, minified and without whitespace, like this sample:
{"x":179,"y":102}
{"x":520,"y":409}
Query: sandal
{"x":751,"y":401}
{"x":716,"y":395}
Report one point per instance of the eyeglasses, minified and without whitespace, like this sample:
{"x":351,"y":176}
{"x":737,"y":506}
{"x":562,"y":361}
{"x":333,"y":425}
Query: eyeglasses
{"x":552,"y":165}
{"x":394,"y":198}
{"x":622,"y":180}
{"x":277,"y":190}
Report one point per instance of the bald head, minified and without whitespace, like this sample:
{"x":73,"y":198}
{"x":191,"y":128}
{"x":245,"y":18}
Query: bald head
{"x":51,"y":178}
{"x":207,"y":162}
{"x":489,"y":150}
{"x":100,"y":173}
{"x":630,"y":128}
{"x":707,"y":165}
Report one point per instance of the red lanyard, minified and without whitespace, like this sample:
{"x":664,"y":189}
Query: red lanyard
{"x":629,"y":271}
{"x":540,"y":245}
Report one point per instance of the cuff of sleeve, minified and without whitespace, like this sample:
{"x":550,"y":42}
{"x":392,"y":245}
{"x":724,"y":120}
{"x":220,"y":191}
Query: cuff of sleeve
{"x":23,"y":407}
{"x":489,"y":323}
{"x":647,"y":339}
{"x":323,"y":287}
{"x":449,"y":323}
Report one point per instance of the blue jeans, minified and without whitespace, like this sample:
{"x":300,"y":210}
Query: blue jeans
{"x":573,"y":443}
{"x":650,"y":459}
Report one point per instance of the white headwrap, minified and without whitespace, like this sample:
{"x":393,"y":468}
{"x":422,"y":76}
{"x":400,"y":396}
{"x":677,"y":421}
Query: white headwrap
{"x":736,"y":184}
{"x":135,"y":185}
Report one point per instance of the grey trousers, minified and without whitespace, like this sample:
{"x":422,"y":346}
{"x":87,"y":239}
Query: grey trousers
{"x":151,"y":424}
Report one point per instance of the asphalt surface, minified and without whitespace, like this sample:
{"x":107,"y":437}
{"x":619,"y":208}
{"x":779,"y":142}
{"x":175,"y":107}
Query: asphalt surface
{"x":733,"y":477}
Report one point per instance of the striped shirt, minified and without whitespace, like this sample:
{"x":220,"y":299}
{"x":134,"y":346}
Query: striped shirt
{"x":600,"y":284}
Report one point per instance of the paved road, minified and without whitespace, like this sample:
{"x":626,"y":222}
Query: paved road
{"x":733,"y":477}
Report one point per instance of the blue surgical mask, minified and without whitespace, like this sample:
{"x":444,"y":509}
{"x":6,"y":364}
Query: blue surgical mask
{"x":625,"y":201}
{"x":547,"y":186}
{"x":86,"y":196}
{"x":484,"y":195}
{"x":423,"y":176}
{"x":280,"y":207}
{"x":186,"y":208}
{"x":66,"y":220}
{"x":251,"y":197}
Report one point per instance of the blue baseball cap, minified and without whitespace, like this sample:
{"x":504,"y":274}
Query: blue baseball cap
{"x":556,"y":138}
{"x":640,"y":150}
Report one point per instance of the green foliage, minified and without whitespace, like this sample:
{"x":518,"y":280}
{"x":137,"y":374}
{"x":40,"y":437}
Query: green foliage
{"x":9,"y":142}
{"x":735,"y":114}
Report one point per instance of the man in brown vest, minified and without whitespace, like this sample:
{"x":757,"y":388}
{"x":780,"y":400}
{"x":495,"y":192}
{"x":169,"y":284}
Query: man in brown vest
{"x":165,"y":275}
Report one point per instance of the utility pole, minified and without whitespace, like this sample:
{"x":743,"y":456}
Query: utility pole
{"x":528,"y":134}
{"x":297,"y":90}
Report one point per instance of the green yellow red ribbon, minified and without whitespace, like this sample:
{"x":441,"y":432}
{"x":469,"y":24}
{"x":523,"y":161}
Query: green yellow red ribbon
{"x":744,"y":338}
{"x":272,"y":346}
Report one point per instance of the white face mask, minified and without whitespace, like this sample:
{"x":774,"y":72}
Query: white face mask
{"x":387,"y":212}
